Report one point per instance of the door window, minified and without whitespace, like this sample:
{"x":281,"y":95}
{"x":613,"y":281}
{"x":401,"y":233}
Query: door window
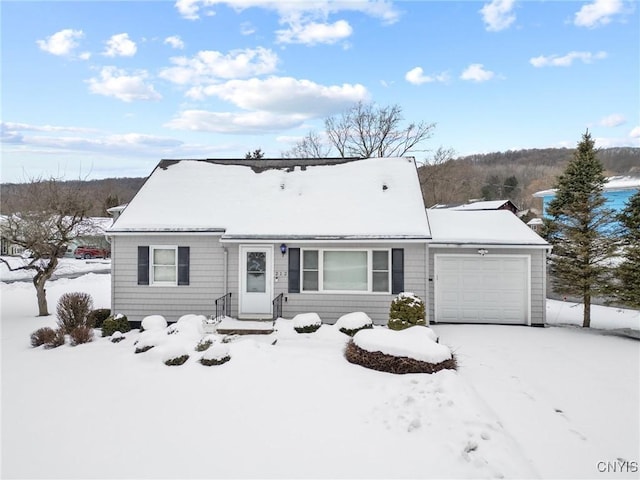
{"x":256,"y":272}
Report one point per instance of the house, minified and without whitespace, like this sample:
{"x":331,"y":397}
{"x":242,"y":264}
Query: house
{"x":489,"y":205}
{"x":617,"y":191}
{"x":288,"y":236}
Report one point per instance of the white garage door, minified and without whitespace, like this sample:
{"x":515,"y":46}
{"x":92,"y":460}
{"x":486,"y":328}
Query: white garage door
{"x":475,"y":289}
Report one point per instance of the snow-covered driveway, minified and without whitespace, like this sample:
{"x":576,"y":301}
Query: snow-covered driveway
{"x":571,"y":397}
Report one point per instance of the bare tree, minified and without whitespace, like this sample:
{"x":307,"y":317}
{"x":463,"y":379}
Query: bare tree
{"x":310,"y":146}
{"x":366,"y":130}
{"x":44,"y":217}
{"x":445,"y":180}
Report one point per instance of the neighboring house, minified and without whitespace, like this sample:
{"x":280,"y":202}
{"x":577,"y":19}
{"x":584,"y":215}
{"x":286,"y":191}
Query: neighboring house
{"x":92,"y":233}
{"x":489,"y":205}
{"x":330,"y":236}
{"x":116,"y":211}
{"x":536,"y":224}
{"x":617,"y":191}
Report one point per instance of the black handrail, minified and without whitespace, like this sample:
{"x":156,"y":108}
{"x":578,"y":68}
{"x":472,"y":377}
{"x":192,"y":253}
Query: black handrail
{"x":223,"y":306}
{"x":277,"y":306}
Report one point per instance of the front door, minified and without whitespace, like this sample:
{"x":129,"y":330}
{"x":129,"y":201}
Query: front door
{"x":256,"y":286}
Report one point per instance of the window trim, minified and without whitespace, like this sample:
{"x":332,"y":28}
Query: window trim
{"x":368,"y":291}
{"x":152,"y":280}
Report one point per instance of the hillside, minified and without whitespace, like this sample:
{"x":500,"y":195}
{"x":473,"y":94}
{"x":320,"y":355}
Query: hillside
{"x":513,"y":174}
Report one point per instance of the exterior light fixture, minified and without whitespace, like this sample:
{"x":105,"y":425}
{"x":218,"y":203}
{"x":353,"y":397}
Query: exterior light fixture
{"x":283,"y":249}
{"x":482,"y":252}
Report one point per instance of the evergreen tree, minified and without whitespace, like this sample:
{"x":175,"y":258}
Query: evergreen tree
{"x":628,"y":273}
{"x":580,"y":228}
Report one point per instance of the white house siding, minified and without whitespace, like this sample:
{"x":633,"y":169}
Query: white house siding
{"x":537,"y":275}
{"x":331,"y":306}
{"x":137,"y":301}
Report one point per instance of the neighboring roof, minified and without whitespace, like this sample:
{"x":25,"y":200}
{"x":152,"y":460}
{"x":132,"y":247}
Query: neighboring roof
{"x":484,"y":205}
{"x":281,"y":198}
{"x":117,"y":208}
{"x":482,"y":227}
{"x":535,"y":221}
{"x":613,"y":184}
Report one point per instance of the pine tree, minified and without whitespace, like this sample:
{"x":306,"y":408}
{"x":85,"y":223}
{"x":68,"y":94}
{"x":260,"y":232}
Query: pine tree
{"x":628,"y":272}
{"x":580,"y":228}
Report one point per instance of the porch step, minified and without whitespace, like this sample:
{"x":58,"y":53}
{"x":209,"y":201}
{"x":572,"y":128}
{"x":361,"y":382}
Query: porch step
{"x":232,"y":326}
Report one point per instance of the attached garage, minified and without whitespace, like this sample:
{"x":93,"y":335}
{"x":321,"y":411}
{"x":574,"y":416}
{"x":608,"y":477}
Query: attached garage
{"x":481,"y":289}
{"x":485,"y":267}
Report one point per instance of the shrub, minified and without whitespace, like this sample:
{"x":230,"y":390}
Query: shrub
{"x":352,"y":323}
{"x":306,"y":322}
{"x":203,"y":344}
{"x":307,"y":328}
{"x":81,"y":334}
{"x":72,"y":310}
{"x":383,"y":362}
{"x":117,"y":323}
{"x":406,"y":311}
{"x":42,"y":336}
{"x":143,"y":348}
{"x":97,"y":317}
{"x":216,"y":355}
{"x":117,"y":337}
{"x":153,"y":322}
{"x":57,"y":339}
{"x":176,"y":360}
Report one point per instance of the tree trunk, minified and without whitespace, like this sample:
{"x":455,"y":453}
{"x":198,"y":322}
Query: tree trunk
{"x":586,"y":323}
{"x":39,"y":281}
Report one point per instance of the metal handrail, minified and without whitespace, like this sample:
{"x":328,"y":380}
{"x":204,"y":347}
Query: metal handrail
{"x":277,"y":306}
{"x":223,"y":306}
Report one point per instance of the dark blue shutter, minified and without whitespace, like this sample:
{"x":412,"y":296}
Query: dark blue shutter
{"x":294,"y":270}
{"x":143,"y":265}
{"x":397,"y":270}
{"x":183,"y":265}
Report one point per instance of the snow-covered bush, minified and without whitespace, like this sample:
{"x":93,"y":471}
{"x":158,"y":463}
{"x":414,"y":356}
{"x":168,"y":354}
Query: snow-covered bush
{"x":216,"y":354}
{"x":148,"y":340}
{"x":192,"y":323}
{"x":351,"y":323}
{"x":175,"y":354}
{"x":204,"y":343}
{"x":406,"y":311}
{"x":72,"y":310}
{"x":116,"y":323}
{"x":306,"y":322}
{"x":97,"y":317}
{"x":411,"y":350}
{"x":81,"y":334}
{"x":42,"y":336}
{"x":117,"y":337}
{"x":153,"y":322}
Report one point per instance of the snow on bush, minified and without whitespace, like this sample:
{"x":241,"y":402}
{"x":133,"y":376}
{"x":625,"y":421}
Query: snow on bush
{"x":192,"y":323}
{"x":411,"y":350}
{"x":117,"y":336}
{"x":205,"y":343}
{"x":149,"y":339}
{"x":216,"y":354}
{"x":306,"y":322}
{"x":353,"y":322}
{"x":406,"y":310}
{"x":154,"y":322}
{"x":174,"y":354}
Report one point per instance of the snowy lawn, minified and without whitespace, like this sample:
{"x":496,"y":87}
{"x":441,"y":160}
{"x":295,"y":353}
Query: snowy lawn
{"x":68,"y":267}
{"x":526,"y":402}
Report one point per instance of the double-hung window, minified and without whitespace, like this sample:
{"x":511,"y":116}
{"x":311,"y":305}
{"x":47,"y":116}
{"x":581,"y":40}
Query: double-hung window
{"x":346,"y":271}
{"x":164,"y":265}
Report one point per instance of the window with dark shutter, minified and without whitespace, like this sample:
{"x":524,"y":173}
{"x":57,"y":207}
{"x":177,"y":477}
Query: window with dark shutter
{"x":143,"y":265}
{"x":397,"y":270}
{"x":183,"y":265}
{"x":294,"y":270}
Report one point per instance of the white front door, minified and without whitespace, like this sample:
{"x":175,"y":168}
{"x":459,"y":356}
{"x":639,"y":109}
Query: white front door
{"x":256,"y":281}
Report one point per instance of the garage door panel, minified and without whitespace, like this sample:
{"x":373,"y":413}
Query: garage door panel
{"x":472,"y":289}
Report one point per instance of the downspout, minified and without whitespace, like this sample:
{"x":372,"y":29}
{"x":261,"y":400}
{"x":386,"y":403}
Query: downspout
{"x":225,"y":268}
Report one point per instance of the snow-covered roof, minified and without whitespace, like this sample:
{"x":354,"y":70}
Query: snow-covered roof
{"x":482,"y":227}
{"x":284,"y":198}
{"x":613,"y":184}
{"x":482,"y":205}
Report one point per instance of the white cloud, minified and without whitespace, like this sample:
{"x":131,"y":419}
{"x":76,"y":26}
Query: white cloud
{"x":416,"y":76}
{"x":114,"y":82}
{"x":175,"y":41}
{"x":61,"y":43}
{"x":598,"y":13}
{"x":635,"y":132}
{"x":476,"y":73}
{"x":247,"y":28}
{"x":497,"y":15}
{"x":566,"y":60}
{"x":234,"y":123}
{"x":209,"y":65}
{"x":284,"y":95}
{"x":120,"y":46}
{"x":287,"y":10}
{"x":613,"y":120}
{"x":313,"y":33}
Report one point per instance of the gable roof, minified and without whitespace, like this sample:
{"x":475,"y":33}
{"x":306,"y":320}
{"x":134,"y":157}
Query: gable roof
{"x":481,"y":227}
{"x":485,"y":205}
{"x":281,"y":198}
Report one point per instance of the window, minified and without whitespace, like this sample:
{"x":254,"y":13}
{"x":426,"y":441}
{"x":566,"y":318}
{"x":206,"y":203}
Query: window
{"x":346,"y":271}
{"x":164,"y":265}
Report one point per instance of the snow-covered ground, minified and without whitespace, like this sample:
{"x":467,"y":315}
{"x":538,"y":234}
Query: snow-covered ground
{"x":557,"y":402}
{"x":68,"y":267}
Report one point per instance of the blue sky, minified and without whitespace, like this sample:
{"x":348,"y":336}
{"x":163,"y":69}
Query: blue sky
{"x":106,"y":89}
